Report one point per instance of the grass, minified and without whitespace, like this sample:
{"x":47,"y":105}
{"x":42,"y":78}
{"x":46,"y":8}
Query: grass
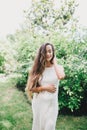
{"x":15,"y":110}
{"x":71,"y":123}
{"x":16,"y":113}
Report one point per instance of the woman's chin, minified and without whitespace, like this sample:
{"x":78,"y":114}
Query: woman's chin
{"x":48,"y":60}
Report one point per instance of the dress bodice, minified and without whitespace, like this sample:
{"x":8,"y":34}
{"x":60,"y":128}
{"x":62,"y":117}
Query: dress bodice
{"x":49,"y":77}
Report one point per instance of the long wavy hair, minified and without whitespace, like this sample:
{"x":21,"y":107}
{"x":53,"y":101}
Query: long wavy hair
{"x":38,"y":67}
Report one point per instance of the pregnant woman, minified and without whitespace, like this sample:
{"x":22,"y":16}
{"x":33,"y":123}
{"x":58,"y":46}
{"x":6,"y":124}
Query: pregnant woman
{"x":43,"y":82}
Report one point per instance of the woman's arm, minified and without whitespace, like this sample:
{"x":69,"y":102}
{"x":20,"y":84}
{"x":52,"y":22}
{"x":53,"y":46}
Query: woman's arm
{"x":59,"y":70}
{"x":49,"y":88}
{"x":37,"y":89}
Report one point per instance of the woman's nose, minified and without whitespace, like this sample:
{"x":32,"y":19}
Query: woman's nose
{"x":48,"y":54}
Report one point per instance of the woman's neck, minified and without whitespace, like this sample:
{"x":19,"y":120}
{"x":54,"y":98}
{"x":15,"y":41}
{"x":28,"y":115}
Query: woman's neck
{"x":48,"y":64}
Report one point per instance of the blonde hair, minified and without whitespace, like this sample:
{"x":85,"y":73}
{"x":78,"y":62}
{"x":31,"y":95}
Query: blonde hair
{"x":27,"y":89}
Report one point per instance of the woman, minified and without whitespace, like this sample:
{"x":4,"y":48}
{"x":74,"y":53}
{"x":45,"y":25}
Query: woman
{"x":43,"y":82}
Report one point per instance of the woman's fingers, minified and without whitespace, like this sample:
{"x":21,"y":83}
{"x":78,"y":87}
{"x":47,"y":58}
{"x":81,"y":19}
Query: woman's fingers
{"x":54,"y":89}
{"x":51,"y":88}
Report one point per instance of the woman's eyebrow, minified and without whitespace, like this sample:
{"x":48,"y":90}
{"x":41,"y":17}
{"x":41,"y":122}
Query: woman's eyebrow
{"x":48,"y":50}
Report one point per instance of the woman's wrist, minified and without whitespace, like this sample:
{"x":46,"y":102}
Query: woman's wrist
{"x":41,"y":89}
{"x":55,"y":61}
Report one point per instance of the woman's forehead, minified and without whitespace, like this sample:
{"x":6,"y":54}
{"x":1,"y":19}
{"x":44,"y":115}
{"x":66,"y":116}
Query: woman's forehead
{"x":48,"y":47}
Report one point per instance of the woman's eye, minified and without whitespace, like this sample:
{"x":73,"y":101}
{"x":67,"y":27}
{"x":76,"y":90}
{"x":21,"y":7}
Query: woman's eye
{"x":49,"y":51}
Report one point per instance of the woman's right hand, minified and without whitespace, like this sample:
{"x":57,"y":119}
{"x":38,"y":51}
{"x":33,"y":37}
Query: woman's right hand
{"x":50,"y":88}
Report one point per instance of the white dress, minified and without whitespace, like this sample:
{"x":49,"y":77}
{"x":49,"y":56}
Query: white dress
{"x":45,"y":104}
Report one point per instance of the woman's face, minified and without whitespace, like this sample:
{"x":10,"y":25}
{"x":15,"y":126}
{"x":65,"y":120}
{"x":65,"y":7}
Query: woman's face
{"x":49,"y":53}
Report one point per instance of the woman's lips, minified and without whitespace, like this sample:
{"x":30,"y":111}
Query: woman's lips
{"x":48,"y":57}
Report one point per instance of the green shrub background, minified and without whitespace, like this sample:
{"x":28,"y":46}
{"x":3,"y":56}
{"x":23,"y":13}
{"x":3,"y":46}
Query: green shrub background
{"x":72,"y":55}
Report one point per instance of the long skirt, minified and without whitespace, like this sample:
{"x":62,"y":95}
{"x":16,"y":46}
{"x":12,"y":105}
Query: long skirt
{"x":45,"y":112}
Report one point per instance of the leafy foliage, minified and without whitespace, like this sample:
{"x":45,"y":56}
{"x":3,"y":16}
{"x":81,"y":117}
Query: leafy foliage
{"x":44,"y":16}
{"x":2,"y":60}
{"x":70,"y":52}
{"x":7,"y":60}
{"x":71,"y":55}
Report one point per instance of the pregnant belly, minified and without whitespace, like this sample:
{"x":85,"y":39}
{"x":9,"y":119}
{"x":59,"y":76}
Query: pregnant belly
{"x":47,"y":96}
